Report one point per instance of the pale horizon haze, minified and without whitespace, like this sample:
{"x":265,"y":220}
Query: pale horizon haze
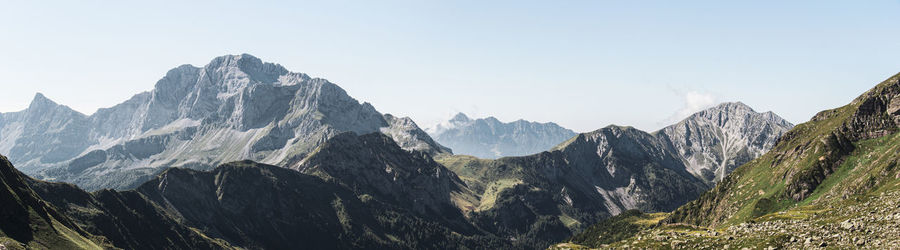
{"x":583,"y":65}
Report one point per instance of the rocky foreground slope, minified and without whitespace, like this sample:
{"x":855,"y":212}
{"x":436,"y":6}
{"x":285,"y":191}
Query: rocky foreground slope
{"x":236,"y":107}
{"x":830,"y":182}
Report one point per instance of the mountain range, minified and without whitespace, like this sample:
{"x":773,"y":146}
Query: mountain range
{"x":234,"y":108}
{"x":246,"y":154}
{"x":603,"y":173}
{"x":490,"y":138}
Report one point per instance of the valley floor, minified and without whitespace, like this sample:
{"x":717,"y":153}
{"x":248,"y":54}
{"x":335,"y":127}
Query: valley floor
{"x":868,"y":222}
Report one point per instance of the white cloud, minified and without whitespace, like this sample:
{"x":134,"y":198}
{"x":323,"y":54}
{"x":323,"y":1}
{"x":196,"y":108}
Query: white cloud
{"x":693,"y":102}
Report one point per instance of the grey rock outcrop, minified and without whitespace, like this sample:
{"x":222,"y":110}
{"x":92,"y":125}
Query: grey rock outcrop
{"x":409,"y":136}
{"x":43,"y":133}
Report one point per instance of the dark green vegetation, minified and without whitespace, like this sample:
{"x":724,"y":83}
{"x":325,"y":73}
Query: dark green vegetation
{"x":127,"y":219}
{"x":28,"y":221}
{"x":46,"y":215}
{"x":373,"y":164}
{"x":616,"y":228}
{"x":256,"y":206}
{"x":261,"y":206}
{"x":830,"y":182}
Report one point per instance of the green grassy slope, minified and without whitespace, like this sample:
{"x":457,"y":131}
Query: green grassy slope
{"x":818,"y":157}
{"x":830,"y":182}
{"x":26,"y":221}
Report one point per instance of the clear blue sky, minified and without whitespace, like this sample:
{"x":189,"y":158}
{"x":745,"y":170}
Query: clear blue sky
{"x":583,"y":65}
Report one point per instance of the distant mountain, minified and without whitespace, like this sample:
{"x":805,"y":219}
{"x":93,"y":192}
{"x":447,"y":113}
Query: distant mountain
{"x":548,"y":196}
{"x":489,"y":138}
{"x":830,"y":182}
{"x":236,"y":107}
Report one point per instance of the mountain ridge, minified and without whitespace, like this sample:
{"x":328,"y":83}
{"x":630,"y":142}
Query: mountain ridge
{"x":599,"y":174}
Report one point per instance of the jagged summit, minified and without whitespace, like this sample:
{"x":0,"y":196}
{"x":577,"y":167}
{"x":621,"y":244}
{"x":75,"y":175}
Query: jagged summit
{"x":255,"y":68}
{"x":40,"y":97}
{"x":41,"y":102}
{"x":408,"y":135}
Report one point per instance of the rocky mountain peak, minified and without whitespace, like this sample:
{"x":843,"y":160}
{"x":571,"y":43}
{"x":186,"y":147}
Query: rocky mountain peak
{"x":733,"y":106}
{"x":256,"y":69}
{"x":41,"y":102}
{"x":409,"y":136}
{"x":714,"y":141}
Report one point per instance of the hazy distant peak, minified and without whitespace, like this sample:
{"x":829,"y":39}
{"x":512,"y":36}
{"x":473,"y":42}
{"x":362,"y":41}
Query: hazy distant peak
{"x":490,"y":138}
{"x":492,"y":119}
{"x":460,"y":117}
{"x":40,"y":97}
